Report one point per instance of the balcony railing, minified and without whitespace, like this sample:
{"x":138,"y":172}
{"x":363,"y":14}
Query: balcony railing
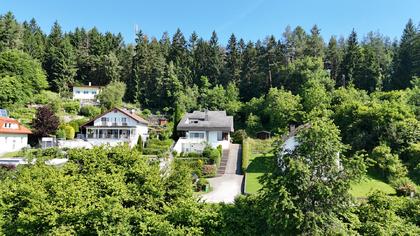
{"x":104,"y":123}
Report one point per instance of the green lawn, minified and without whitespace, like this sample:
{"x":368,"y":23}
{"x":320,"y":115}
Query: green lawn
{"x":259,"y":164}
{"x":368,"y":185}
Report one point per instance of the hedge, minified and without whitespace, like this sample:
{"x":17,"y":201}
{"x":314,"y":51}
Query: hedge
{"x":245,"y":154}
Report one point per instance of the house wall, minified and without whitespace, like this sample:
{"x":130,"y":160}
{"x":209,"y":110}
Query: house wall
{"x":79,"y":93}
{"x":12,"y":142}
{"x":115,"y":116}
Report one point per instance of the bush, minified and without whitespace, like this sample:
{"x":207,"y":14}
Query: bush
{"x":90,"y":111}
{"x":245,"y":154}
{"x":69,"y":131}
{"x":49,"y":98}
{"x":209,"y":170}
{"x":71,"y":107}
{"x":77,"y":123}
{"x":139,"y":145}
{"x":404,"y":186}
{"x":201,"y":184}
{"x":238,"y":136}
{"x":61,"y":134}
{"x":213,"y":154}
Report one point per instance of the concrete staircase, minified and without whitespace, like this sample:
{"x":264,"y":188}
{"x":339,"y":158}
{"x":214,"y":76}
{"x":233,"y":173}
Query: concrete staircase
{"x":223,"y":162}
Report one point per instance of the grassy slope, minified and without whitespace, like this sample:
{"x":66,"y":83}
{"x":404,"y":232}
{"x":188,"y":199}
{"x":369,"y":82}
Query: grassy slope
{"x":368,"y":185}
{"x":259,"y":163}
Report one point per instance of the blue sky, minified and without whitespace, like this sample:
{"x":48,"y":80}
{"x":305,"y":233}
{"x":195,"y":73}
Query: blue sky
{"x":250,"y":20}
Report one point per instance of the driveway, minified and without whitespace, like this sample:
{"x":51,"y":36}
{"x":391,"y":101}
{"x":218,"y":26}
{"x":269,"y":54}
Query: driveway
{"x":226,"y":187}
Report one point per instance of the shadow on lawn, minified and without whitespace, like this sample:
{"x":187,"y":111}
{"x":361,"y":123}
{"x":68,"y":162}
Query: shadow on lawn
{"x":260,"y":164}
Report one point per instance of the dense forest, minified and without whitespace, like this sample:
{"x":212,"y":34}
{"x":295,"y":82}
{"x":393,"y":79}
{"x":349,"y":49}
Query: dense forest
{"x":360,"y":96}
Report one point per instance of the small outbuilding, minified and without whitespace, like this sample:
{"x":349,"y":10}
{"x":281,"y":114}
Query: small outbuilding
{"x":264,"y":134}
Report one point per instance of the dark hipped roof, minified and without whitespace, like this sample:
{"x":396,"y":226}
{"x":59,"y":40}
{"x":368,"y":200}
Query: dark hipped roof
{"x":207,"y":121}
{"x":128,"y":113}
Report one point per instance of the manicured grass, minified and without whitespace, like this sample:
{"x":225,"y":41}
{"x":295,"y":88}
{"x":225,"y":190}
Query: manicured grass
{"x":259,"y":164}
{"x":368,"y":185}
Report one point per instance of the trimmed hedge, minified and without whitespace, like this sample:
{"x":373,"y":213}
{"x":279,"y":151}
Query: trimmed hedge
{"x":245,"y":154}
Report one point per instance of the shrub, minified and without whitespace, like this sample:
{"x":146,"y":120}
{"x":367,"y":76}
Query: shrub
{"x":139,"y":145}
{"x":209,"y":170}
{"x":404,"y":186}
{"x":90,"y":111}
{"x":61,"y":134}
{"x":239,"y":135}
{"x":71,"y":107}
{"x":192,"y":154}
{"x":245,"y":154}
{"x":174,"y":153}
{"x":388,"y":163}
{"x":201,"y":184}
{"x":49,"y":98}
{"x":69,"y":131}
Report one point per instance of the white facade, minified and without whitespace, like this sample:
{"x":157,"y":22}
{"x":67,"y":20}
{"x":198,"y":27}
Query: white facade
{"x":12,"y":142}
{"x":196,"y":141}
{"x":116,"y":127}
{"x":85,"y":93}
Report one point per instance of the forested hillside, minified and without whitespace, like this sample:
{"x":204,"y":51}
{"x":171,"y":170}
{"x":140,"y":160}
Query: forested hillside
{"x":356,"y":96}
{"x":195,"y":72}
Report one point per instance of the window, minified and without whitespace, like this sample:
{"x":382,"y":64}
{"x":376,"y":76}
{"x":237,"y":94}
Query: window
{"x":104,"y":119}
{"x":85,"y":92}
{"x":93,"y":92}
{"x":195,"y":135}
{"x":219,"y":136}
{"x":78,"y":92}
{"x":123,"y":120}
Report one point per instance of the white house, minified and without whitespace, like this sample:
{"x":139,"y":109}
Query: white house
{"x":116,"y":126}
{"x":86,"y":93}
{"x":204,"y":128}
{"x":13,"y":135}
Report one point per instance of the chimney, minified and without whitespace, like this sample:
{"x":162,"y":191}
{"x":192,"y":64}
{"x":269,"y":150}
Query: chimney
{"x":90,"y":84}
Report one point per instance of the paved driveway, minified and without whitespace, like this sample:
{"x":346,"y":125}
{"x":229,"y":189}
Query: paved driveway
{"x":226,"y":187}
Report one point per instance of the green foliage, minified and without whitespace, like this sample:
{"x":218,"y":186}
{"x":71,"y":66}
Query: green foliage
{"x":245,"y":154}
{"x":114,"y":189}
{"x":71,"y":106}
{"x":139,"y":145}
{"x":239,"y":135}
{"x":213,"y":154}
{"x":77,"y":123}
{"x":112,"y":95}
{"x":49,"y":98}
{"x":69,"y":130}
{"x":60,"y":133}
{"x":23,"y":76}
{"x":404,"y":186}
{"x":378,"y":216}
{"x":282,"y":108}
{"x":315,"y":171}
{"x":89,"y":111}
{"x":389,"y":164}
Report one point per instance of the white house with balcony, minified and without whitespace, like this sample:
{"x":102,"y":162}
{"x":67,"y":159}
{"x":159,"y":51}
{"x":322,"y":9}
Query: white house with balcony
{"x":202,"y":128}
{"x":115,"y":126}
{"x":86,"y":93}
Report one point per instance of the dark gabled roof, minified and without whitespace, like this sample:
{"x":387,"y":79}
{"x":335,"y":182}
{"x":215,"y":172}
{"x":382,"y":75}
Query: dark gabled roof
{"x":129,"y":114}
{"x":207,"y":121}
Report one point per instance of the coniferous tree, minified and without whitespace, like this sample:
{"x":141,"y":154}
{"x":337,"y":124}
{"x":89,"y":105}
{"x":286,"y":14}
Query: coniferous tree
{"x":10,"y":32}
{"x":315,"y":43}
{"x":333,"y":58}
{"x":403,"y":61}
{"x":34,"y":40}
{"x":233,"y":63}
{"x":351,"y":60}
